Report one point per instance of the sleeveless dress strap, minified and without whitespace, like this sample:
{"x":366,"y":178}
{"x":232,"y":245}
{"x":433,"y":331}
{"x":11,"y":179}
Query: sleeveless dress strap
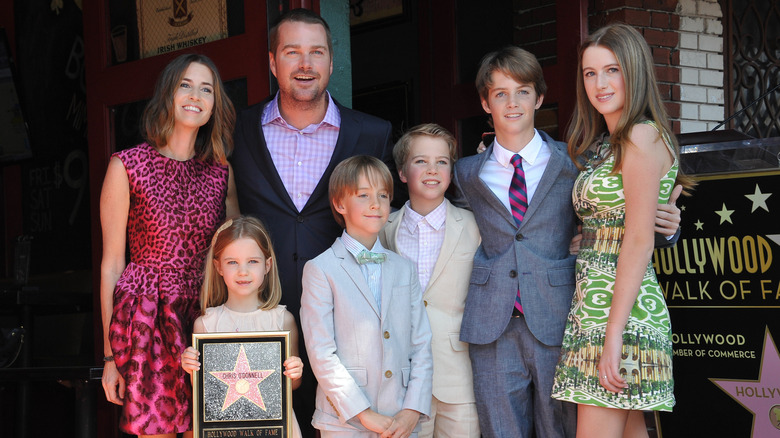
{"x":664,"y":136}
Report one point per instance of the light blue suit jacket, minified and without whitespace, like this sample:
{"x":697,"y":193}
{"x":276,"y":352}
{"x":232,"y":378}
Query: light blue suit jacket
{"x":533,"y":258}
{"x":363,"y":357}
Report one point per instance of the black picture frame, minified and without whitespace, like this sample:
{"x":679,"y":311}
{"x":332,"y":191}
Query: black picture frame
{"x":240,"y":389}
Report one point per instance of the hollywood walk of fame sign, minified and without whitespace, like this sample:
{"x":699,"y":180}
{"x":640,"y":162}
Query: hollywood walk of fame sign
{"x":240,"y":389}
{"x":722,"y":286}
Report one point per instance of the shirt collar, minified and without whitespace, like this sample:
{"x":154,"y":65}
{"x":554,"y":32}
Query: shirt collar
{"x":354,"y":247}
{"x":271,"y":114}
{"x":435,"y":218}
{"x":529,"y":153}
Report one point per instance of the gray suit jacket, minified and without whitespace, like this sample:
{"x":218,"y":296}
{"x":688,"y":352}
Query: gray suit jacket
{"x":533,"y":258}
{"x":363,"y":356}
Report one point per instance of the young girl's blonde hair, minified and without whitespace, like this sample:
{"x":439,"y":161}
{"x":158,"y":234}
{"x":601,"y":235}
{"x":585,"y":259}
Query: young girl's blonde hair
{"x":214,"y":291}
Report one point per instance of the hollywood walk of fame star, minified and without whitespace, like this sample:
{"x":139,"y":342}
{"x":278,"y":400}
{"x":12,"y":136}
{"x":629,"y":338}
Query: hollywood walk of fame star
{"x":759,"y":199}
{"x":759,"y":396}
{"x":725,"y":215}
{"x":242,"y":382}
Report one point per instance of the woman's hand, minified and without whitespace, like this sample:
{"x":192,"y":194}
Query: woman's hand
{"x":189,"y":360}
{"x":609,"y":365}
{"x":113,"y":383}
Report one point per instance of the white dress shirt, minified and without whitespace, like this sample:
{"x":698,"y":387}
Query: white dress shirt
{"x":498,"y":170}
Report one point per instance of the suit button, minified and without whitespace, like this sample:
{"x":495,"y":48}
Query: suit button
{"x":388,"y":374}
{"x":518,"y":237}
{"x":425,"y":303}
{"x":387,"y":334}
{"x":512,"y":273}
{"x":299,"y":219}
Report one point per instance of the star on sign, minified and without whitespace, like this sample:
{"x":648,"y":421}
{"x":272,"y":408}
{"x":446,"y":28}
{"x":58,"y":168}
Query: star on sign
{"x":699,"y":225}
{"x":725,"y":215}
{"x":758,"y":199}
{"x":242,"y":382}
{"x":762,"y":396}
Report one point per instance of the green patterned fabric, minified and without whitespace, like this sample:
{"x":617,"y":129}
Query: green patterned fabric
{"x":647,"y":345}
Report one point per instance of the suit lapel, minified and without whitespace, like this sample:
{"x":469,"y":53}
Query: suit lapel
{"x":352,"y":269}
{"x":386,"y":295}
{"x":391,"y":229}
{"x":554,"y":167}
{"x":485,"y":192}
{"x":349,"y":132}
{"x":452,"y":231}
{"x":262,"y":157}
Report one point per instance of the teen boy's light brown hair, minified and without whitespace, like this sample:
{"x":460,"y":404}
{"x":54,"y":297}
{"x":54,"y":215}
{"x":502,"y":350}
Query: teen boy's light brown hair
{"x":345,"y":177}
{"x":404,"y":144}
{"x":519,"y":64}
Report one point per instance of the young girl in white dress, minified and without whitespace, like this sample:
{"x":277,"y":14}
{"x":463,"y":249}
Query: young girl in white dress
{"x":241,"y":293}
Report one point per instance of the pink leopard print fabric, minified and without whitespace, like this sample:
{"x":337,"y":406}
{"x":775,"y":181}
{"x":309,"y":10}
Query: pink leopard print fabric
{"x":175,"y":208}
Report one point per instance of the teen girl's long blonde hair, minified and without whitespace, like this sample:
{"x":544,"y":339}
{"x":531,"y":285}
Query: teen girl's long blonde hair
{"x":643,"y":100}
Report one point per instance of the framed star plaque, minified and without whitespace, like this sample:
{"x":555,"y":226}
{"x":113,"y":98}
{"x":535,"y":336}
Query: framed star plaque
{"x":240,"y":390}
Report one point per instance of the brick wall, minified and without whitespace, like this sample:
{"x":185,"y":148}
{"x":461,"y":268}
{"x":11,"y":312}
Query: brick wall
{"x":685,"y":38}
{"x":701,"y":65}
{"x":535,"y":28}
{"x":658,"y":22}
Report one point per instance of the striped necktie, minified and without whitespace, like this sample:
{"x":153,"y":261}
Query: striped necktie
{"x":518,"y":198}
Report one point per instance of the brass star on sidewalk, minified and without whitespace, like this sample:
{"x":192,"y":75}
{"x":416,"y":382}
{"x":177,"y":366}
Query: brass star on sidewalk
{"x":242,"y":382}
{"x":759,"y":396}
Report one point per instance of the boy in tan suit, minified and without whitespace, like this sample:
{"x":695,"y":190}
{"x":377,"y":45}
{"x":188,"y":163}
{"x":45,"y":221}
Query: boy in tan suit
{"x":441,"y":240}
{"x":366,"y":332}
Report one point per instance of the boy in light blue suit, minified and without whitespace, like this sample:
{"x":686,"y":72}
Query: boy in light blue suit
{"x":441,"y":240}
{"x":366,"y":331}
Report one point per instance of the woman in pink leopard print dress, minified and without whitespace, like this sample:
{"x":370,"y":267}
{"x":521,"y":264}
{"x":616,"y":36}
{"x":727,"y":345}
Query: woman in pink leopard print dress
{"x":164,"y":198}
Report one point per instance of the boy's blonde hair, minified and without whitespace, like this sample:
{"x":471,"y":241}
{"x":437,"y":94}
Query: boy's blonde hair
{"x":404,"y":145}
{"x":519,"y":64}
{"x":346,"y":175}
{"x":214,"y":293}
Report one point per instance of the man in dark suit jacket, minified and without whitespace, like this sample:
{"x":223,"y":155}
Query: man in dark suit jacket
{"x":285,"y":150}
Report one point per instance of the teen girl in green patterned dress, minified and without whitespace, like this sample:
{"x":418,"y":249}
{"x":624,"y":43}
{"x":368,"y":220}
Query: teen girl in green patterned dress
{"x":616,"y":358}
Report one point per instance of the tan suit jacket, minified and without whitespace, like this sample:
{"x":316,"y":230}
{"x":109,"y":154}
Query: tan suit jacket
{"x":444,"y":299}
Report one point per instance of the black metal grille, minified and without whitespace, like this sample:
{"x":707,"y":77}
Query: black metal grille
{"x":753,"y":56}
